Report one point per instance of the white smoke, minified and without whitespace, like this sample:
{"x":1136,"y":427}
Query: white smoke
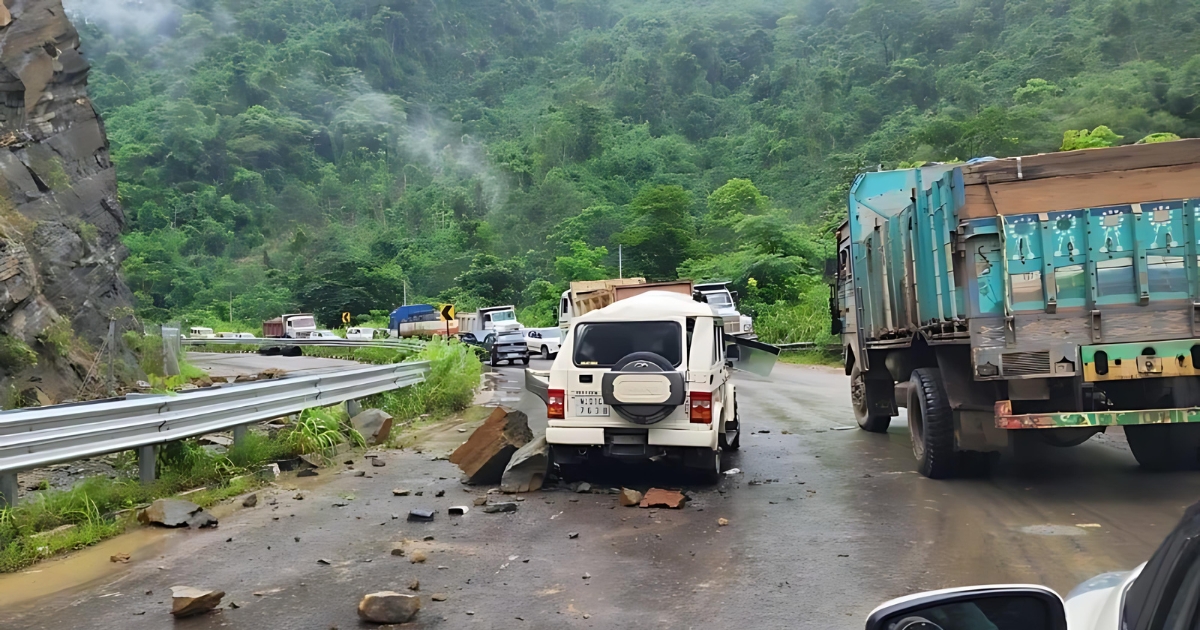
{"x":125,"y":17}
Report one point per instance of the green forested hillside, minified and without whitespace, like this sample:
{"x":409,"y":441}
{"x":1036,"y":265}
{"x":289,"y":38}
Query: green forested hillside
{"x":319,"y":154}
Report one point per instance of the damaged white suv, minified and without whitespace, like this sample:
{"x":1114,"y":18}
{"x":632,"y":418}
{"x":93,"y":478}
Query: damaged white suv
{"x":647,"y":377}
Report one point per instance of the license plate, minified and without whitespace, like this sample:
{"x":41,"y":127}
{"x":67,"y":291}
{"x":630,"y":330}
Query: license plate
{"x":592,"y":406}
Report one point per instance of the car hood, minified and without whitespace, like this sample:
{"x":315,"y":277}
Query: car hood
{"x":1096,"y":603}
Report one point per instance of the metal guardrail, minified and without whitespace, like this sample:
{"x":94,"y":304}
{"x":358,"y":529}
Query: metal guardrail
{"x":402,"y":344}
{"x":49,"y":435}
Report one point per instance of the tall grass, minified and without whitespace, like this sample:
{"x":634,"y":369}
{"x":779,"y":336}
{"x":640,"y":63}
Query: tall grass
{"x":320,"y":430}
{"x":453,"y":375}
{"x":805,"y":320}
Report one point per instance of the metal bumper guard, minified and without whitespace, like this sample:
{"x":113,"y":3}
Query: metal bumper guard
{"x":1005,"y":419}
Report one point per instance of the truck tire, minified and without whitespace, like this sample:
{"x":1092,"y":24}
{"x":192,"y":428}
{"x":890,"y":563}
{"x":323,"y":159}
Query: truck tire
{"x":545,"y":353}
{"x":931,"y":424}
{"x":1165,"y":447}
{"x":867,"y":421}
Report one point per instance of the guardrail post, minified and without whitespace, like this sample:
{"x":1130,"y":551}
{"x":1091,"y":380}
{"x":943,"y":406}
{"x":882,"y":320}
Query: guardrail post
{"x":8,"y":488}
{"x":239,"y":433}
{"x":147,"y":461}
{"x":353,"y":407}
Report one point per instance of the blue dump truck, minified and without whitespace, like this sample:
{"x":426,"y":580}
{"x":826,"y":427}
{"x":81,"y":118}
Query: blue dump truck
{"x":1040,"y":298}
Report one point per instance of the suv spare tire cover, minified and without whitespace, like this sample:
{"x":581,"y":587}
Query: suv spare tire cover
{"x":644,"y":363}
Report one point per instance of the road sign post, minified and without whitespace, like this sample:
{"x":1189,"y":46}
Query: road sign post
{"x":447,"y":314}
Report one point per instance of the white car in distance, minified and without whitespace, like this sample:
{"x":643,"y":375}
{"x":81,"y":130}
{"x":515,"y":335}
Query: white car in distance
{"x":359,"y":333}
{"x":322,"y":334}
{"x":543,"y":342}
{"x":235,"y":335}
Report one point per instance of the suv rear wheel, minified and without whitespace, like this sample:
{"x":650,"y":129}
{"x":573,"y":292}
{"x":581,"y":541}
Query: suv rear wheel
{"x":731,"y":438}
{"x":708,"y":465}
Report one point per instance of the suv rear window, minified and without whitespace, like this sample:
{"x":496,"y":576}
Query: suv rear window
{"x":604,"y":343}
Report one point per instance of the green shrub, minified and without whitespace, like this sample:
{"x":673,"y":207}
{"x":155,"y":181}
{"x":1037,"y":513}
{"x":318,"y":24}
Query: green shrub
{"x":454,"y":370}
{"x":804,"y":320}
{"x":58,"y":336}
{"x":15,"y":355}
{"x":320,"y":430}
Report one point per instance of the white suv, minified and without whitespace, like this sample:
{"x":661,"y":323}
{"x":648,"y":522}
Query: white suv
{"x":643,"y":378}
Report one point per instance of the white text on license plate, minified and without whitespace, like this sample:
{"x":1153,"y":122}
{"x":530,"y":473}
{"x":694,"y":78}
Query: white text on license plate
{"x":589,"y":406}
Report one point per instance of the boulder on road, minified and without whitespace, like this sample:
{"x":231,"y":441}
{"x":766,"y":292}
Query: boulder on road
{"x":187,"y":601}
{"x":657,"y":497}
{"x":526,"y":471}
{"x":485,"y":455}
{"x":375,"y":425}
{"x":630,"y":498}
{"x":176,"y":513}
{"x":388,"y":607}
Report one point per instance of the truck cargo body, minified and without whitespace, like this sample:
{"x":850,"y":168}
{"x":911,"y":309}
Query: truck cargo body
{"x":420,"y":320}
{"x":586,"y":296}
{"x":1058,"y":292}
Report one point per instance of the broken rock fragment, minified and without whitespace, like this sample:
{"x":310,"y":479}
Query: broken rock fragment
{"x":496,"y":508}
{"x":657,"y":497}
{"x":629,"y":497}
{"x":388,"y":607}
{"x":250,"y":501}
{"x":187,"y":601}
{"x":526,"y":471}
{"x":375,"y":425}
{"x":176,"y":513}
{"x":485,"y":455}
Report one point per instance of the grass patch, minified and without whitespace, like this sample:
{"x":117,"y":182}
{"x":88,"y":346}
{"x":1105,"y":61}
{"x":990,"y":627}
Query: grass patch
{"x":810,"y":357}
{"x":58,"y":336}
{"x":91,"y":505}
{"x":320,"y":430}
{"x":373,"y":355}
{"x":15,"y":355}
{"x":450,"y":387}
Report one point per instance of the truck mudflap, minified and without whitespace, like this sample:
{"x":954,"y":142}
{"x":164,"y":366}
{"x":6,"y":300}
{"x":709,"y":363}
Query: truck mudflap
{"x":1006,"y":419}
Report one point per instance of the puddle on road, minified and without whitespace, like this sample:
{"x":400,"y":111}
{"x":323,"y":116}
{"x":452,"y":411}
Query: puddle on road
{"x":82,"y":567}
{"x":1053,"y":530}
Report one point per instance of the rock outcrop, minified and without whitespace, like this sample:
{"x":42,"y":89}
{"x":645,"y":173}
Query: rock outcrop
{"x":60,"y":222}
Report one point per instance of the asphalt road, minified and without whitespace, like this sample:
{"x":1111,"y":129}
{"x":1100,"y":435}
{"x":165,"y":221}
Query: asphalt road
{"x":825,"y":522}
{"x":237,"y":364}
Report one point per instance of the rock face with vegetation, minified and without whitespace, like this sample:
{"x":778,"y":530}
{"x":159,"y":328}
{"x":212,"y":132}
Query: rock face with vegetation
{"x":60,"y":221}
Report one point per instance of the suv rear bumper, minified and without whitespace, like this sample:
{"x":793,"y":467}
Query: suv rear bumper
{"x":594,"y":436}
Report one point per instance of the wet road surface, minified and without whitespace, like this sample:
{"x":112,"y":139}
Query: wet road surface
{"x":229,"y":364}
{"x":825,"y":522}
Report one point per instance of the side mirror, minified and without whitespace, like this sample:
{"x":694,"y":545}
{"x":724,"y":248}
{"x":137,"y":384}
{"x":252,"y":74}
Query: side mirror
{"x":1000,"y":607}
{"x":733,"y":352}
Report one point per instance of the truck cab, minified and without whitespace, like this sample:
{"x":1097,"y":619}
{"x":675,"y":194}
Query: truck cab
{"x":201,"y":332}
{"x":499,"y":319}
{"x":645,"y":378}
{"x":718,"y":295}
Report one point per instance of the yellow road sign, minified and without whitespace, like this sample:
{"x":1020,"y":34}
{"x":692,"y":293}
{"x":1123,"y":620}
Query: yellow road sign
{"x":346,"y":317}
{"x":447,"y":312}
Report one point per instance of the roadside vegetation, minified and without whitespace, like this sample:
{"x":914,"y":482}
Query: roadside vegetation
{"x":454,"y":371}
{"x":287,"y":155}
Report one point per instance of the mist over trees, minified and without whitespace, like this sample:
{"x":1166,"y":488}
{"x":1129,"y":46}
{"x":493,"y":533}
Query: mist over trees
{"x":323,"y":155}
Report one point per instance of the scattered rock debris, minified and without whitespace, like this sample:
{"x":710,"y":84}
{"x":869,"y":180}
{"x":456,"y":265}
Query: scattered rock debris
{"x":722,"y":522}
{"x":420,"y":515}
{"x":484,"y":456}
{"x":250,"y":501}
{"x":399,"y":492}
{"x":629,"y":497}
{"x":187,"y":601}
{"x":414,"y":584}
{"x":119,"y":557}
{"x":572,"y":535}
{"x":176,"y":513}
{"x":378,"y":463}
{"x":496,"y":508}
{"x":398,"y":549}
{"x":657,"y":497}
{"x":388,"y":607}
{"x":439,"y":493}
{"x":417,"y":557}
{"x":438,"y":597}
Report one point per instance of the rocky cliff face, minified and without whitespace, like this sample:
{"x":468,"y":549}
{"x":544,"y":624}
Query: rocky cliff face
{"x":60,"y":222}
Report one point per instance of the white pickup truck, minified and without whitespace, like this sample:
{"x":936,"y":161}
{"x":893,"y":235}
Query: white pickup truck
{"x":722,"y":299}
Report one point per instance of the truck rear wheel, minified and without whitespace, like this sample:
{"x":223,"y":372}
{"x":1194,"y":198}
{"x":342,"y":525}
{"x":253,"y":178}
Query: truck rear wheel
{"x":931,"y":423}
{"x":868,"y":420}
{"x":1165,"y":447}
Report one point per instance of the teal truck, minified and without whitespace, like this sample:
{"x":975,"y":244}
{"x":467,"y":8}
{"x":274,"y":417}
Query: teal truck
{"x":1045,"y":297}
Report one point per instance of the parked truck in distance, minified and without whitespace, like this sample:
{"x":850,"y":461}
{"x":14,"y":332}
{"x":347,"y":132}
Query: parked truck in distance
{"x":290,"y":326}
{"x":489,"y":319}
{"x":718,"y":296}
{"x":1043,"y":297}
{"x":586,"y":296}
{"x":420,"y":320}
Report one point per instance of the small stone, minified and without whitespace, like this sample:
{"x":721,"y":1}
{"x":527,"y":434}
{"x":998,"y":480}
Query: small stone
{"x":399,"y":492}
{"x":586,"y":616}
{"x":348,"y":462}
{"x":187,"y":601}
{"x":298,"y":496}
{"x":657,"y":497}
{"x":297,"y":538}
{"x":360,"y":473}
{"x":307,"y":472}
{"x":417,"y":557}
{"x":323,"y":561}
{"x":427,"y":538}
{"x":119,"y":557}
{"x":583,"y":487}
{"x":234,"y":605}
{"x":572,"y":535}
{"x":414,"y":584}
{"x":438,"y":597}
{"x":480,"y":501}
{"x":587,"y":576}
{"x":629,"y":497}
{"x":419,"y":493}
{"x":722,"y":522}
{"x":378,"y":463}
{"x":439,"y":493}
{"x":388,"y":607}
{"x":250,"y":501}
{"x":496,"y":508}
{"x":398,"y":549}
{"x":420,"y":515}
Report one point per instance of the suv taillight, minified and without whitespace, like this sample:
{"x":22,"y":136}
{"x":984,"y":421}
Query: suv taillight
{"x":556,"y":404}
{"x":701,"y":408}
